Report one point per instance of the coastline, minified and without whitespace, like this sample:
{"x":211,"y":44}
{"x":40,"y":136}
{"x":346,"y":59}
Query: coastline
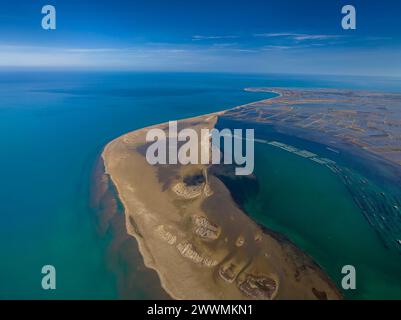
{"x":144,"y":251}
{"x":314,"y":274}
{"x":141,"y":245}
{"x":339,"y":105}
{"x":123,"y":253}
{"x":146,"y":255}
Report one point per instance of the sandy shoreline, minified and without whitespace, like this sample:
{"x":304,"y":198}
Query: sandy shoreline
{"x":204,"y":247}
{"x":148,"y":261}
{"x":123,"y":255}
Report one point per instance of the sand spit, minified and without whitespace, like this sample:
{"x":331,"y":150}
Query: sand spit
{"x":193,"y":235}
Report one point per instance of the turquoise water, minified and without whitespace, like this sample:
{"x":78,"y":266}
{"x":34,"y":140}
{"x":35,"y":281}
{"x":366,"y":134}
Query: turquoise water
{"x":53,"y":126}
{"x":310,"y":205}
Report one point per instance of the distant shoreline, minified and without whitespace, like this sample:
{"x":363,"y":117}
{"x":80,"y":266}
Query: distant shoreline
{"x":364,"y":157}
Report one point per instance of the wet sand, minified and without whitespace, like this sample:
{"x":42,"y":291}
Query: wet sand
{"x":134,"y":279}
{"x":200,"y":243}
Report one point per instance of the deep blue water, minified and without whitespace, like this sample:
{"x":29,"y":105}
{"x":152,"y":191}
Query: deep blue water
{"x":53,"y":125}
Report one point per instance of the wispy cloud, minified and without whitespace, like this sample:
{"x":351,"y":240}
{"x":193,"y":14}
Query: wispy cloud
{"x":299,"y":36}
{"x":225,"y":45}
{"x":316,"y":37}
{"x":273,"y":47}
{"x":273,"y":35}
{"x":92,"y":50}
{"x":213,"y":37}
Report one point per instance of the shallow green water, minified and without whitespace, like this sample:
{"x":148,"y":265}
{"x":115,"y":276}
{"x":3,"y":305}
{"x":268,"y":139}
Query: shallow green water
{"x":310,"y":205}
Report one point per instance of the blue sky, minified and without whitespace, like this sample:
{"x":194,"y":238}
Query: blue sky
{"x":270,"y":36}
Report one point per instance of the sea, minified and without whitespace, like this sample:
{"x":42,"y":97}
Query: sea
{"x":53,"y":126}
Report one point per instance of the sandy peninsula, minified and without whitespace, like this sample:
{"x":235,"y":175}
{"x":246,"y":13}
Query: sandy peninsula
{"x":191,"y":232}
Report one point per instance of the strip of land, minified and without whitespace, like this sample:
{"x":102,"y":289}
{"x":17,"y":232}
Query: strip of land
{"x":191,"y":232}
{"x":365,"y":123}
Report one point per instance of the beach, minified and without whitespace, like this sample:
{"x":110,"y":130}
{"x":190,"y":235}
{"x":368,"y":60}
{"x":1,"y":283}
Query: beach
{"x":200,"y":243}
